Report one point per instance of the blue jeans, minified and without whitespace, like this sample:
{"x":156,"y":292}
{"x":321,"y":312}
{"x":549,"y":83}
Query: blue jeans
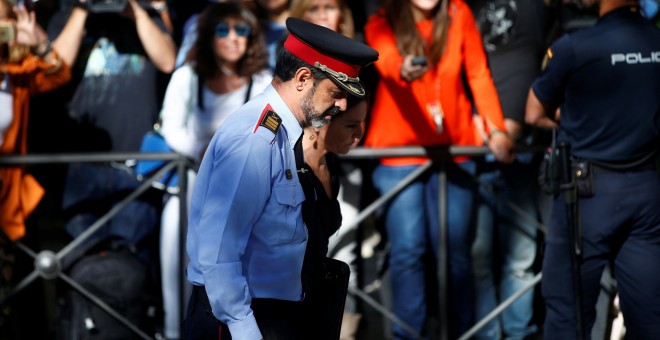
{"x":505,"y":248}
{"x":412,"y":223}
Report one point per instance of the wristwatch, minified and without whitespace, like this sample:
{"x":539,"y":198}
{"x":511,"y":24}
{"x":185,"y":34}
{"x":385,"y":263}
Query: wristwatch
{"x":496,"y":131}
{"x":42,"y":49}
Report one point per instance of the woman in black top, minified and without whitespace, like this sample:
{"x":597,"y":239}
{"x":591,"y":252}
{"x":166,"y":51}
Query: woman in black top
{"x":320,"y":147}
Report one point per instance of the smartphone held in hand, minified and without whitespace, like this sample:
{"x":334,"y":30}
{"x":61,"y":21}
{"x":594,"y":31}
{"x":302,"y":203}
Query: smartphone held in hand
{"x":7,"y":32}
{"x":419,"y":61}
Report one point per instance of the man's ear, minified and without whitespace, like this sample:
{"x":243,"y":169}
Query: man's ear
{"x":302,"y":76}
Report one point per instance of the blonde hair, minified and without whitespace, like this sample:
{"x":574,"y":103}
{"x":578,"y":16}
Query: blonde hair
{"x":346,"y":23}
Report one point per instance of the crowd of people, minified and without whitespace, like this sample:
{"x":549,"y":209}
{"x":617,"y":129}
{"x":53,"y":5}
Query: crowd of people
{"x":244,"y":89}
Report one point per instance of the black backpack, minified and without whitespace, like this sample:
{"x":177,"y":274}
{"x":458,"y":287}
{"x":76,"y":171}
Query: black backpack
{"x":120,"y":280}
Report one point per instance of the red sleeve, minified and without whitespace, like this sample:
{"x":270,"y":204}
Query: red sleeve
{"x":478,"y":74}
{"x":379,"y":35}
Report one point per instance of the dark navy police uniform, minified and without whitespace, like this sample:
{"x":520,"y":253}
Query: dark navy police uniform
{"x":607,"y":80}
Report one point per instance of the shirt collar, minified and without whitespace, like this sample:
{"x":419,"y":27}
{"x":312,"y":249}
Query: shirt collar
{"x":621,"y":11}
{"x":291,"y":124}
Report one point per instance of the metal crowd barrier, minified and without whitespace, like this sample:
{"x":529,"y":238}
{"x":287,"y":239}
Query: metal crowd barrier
{"x":440,"y":156}
{"x":47,"y":263}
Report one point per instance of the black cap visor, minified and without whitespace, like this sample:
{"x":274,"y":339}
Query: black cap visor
{"x":351,"y":85}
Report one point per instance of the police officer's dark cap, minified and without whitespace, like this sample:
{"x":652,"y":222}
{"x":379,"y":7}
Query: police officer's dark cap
{"x":340,"y":57}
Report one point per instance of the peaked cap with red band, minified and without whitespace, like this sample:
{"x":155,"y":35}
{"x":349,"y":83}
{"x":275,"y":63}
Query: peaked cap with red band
{"x":340,"y":57}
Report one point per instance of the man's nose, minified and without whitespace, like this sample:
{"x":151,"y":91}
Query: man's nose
{"x":341,"y":103}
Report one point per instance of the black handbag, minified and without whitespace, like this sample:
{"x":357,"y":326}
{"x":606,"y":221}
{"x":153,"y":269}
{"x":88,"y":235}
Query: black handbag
{"x":335,"y":284}
{"x":327,"y":300}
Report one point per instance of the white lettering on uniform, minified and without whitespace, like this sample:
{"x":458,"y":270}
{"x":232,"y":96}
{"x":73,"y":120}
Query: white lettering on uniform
{"x":635,"y":58}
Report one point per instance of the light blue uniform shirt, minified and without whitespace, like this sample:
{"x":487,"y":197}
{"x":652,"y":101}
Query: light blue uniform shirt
{"x":246,"y":236}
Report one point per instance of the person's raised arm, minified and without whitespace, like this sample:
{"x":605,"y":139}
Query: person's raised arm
{"x":67,"y":43}
{"x":158,"y":44}
{"x":485,"y":95}
{"x":380,"y":36}
{"x":29,"y":33}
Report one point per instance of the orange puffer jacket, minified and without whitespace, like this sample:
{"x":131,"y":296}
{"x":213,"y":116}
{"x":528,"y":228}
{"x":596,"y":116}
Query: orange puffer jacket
{"x":19,"y":191}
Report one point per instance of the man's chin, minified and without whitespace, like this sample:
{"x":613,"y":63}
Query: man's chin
{"x":318,"y":123}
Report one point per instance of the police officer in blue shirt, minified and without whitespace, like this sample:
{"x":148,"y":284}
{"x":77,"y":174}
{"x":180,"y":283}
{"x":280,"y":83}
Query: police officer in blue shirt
{"x":607,"y":80}
{"x":246,"y":235}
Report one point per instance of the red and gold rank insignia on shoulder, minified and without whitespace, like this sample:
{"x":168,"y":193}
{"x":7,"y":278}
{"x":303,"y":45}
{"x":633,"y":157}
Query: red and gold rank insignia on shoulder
{"x":269,"y":120}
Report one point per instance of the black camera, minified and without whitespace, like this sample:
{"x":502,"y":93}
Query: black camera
{"x":106,"y":6}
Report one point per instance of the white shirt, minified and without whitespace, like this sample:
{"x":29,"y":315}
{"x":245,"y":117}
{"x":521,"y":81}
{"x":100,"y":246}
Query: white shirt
{"x":6,"y":106}
{"x":186,"y":128}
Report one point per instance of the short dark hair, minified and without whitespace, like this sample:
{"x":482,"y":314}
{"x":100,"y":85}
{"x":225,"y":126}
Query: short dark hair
{"x":287,"y":65}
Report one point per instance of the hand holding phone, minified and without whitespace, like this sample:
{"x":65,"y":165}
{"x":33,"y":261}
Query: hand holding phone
{"x":413,"y":67}
{"x":419,"y":61}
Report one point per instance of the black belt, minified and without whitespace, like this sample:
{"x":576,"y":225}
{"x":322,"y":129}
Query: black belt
{"x":271,"y":308}
{"x":605,"y":169}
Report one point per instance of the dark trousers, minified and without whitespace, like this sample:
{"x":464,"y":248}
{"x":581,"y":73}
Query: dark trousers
{"x":277,"y":319}
{"x":620,"y":224}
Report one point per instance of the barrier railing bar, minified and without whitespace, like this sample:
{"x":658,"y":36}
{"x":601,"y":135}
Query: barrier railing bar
{"x":415,"y":151}
{"x":183,"y":231}
{"x":366,"y":212}
{"x":113,"y":211}
{"x":439,"y":153}
{"x":386,"y":313}
{"x":514,"y":207}
{"x":429,"y":151}
{"x":523,"y":214}
{"x":357,"y":153}
{"x":25,"y":249}
{"x":86,"y":234}
{"x":443,"y":267}
{"x":500,"y":308}
{"x":35,"y":159}
{"x":172,"y":160}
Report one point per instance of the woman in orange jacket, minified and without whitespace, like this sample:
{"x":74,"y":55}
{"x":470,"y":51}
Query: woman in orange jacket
{"x":28,"y":66}
{"x":427,"y":49}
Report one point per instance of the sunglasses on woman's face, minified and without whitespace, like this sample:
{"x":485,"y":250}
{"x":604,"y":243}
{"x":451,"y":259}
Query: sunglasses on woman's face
{"x":223,"y":28}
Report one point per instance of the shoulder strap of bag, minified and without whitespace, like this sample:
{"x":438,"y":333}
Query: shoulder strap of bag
{"x":249,"y":91}
{"x":195,"y":95}
{"x":200,"y":93}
